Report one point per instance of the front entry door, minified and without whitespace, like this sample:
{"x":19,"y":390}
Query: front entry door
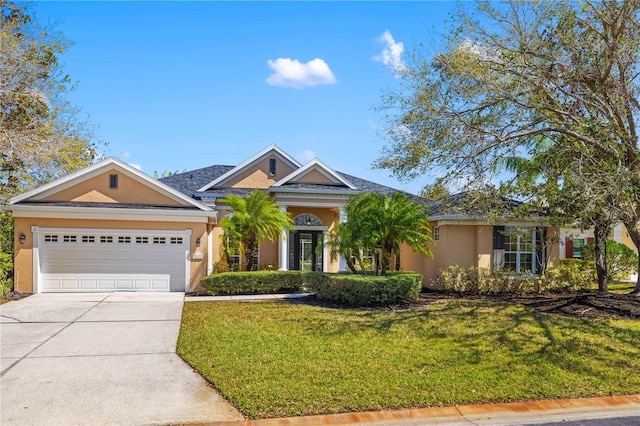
{"x":307,"y":251}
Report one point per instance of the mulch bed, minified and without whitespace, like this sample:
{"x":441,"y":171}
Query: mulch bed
{"x":582,"y":305}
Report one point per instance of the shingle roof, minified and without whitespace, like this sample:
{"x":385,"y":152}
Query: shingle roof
{"x":189,"y":183}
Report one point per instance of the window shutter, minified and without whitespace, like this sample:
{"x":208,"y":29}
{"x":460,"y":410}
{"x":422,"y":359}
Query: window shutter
{"x":590,"y":240}
{"x":568,"y":245}
{"x":498,"y":237}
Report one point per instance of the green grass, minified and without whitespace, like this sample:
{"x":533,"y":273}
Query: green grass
{"x":280,"y":359}
{"x":619,"y":287}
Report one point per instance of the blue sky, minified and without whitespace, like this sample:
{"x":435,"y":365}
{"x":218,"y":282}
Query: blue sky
{"x":184,"y":85}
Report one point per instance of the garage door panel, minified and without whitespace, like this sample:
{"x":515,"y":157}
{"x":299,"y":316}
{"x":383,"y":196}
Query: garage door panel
{"x":122,"y":261}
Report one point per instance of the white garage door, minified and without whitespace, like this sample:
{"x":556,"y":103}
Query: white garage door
{"x":112,"y":260}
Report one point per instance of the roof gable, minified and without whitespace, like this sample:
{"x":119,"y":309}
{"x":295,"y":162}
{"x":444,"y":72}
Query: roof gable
{"x":248,"y":173}
{"x":91,"y":185}
{"x":315,"y":172}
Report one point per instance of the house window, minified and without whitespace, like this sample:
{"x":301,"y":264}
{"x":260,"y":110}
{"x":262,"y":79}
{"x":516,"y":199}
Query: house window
{"x":106,"y":239}
{"x":578,"y":245}
{"x":233,"y":254}
{"x":436,"y":233}
{"x":159,"y":240}
{"x":367,"y":257}
{"x":142,"y":240}
{"x":176,"y":240}
{"x":272,"y":167}
{"x":88,"y":239}
{"x":124,"y":240}
{"x":520,"y":250}
{"x":113,"y":181}
{"x":69,"y":238}
{"x":50,"y":238}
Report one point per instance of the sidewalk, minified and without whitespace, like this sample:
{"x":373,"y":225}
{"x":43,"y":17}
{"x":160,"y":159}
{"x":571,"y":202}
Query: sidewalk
{"x":517,"y":413}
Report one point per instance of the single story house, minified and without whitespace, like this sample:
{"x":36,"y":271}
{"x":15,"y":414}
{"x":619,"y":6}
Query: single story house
{"x":110,"y":227}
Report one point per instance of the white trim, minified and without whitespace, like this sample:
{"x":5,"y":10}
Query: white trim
{"x":325,"y":252}
{"x":99,"y":168}
{"x":35,"y":279}
{"x":319,"y":166}
{"x":107,"y":231}
{"x":210,"y":251}
{"x":187,"y":258}
{"x":315,"y":192}
{"x":37,"y":231}
{"x":271,"y":149}
{"x":107,"y":213}
{"x":283,"y":247}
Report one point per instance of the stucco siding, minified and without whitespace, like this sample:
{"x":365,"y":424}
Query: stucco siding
{"x":257,"y":176}
{"x":314,"y":176}
{"x":23,"y":265}
{"x":96,"y":190}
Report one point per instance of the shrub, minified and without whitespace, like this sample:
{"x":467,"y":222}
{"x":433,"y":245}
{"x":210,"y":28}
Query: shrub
{"x":570,"y":275}
{"x":258,"y":282}
{"x":480,"y":281}
{"x":6,"y":281}
{"x":367,"y":290}
{"x":621,"y":260}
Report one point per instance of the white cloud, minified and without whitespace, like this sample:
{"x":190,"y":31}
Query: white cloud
{"x":136,"y":166}
{"x":391,"y":55}
{"x":292,"y":73}
{"x":306,"y":156}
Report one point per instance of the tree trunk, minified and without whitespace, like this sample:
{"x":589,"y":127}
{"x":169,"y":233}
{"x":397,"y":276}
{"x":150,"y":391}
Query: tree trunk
{"x":602,"y":270}
{"x":634,"y":234}
{"x":250,"y":249}
{"x":350,"y":264}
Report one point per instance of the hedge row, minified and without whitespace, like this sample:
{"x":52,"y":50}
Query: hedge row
{"x":349,"y":289}
{"x":571,"y":275}
{"x":366,"y":290}
{"x":258,"y":282}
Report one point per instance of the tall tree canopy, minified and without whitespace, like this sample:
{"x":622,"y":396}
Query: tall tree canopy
{"x":41,"y":135}
{"x":556,"y":80}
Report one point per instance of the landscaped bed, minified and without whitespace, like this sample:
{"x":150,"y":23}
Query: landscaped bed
{"x":288,"y":359}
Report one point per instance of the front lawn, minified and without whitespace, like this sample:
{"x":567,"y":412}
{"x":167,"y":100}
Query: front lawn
{"x":288,"y":359}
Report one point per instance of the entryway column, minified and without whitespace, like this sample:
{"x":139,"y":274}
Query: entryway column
{"x":343,"y":219}
{"x":284,"y":246}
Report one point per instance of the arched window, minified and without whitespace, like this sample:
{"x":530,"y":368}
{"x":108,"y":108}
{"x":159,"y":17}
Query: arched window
{"x":307,"y":219}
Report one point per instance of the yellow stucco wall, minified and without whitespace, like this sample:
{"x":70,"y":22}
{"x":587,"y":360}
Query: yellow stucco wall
{"x":257,"y":176}
{"x":96,"y":190}
{"x":23,"y":266}
{"x":314,"y":176}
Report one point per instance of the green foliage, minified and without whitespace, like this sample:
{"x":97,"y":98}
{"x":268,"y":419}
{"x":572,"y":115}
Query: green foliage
{"x":620,"y":260}
{"x":379,"y":222}
{"x":546,"y":89}
{"x":480,"y":281}
{"x":255,"y":219}
{"x":367,"y":290}
{"x":258,"y":282}
{"x":6,"y":266}
{"x":571,"y":275}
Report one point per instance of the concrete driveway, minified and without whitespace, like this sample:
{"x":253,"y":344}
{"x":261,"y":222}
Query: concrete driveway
{"x":104,"y":358}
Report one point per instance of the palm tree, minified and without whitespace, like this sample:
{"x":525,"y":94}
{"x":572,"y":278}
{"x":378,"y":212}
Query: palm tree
{"x":255,"y":219}
{"x":384,"y":223}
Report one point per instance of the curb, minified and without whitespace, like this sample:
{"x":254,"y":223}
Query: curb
{"x":478,"y":414}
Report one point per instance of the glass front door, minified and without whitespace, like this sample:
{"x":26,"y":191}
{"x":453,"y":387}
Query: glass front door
{"x":306,"y":252}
